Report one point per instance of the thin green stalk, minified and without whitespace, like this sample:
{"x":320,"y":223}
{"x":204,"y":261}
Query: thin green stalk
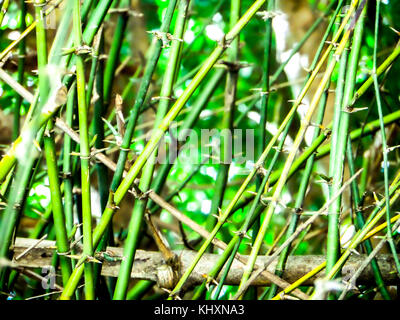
{"x":15,"y":202}
{"x":310,"y":162}
{"x":337,"y":108}
{"x":3,"y":10}
{"x":373,"y":219}
{"x":154,"y":54}
{"x":384,"y":143}
{"x":253,"y":214}
{"x":144,"y":185}
{"x":25,"y":165}
{"x":333,"y":218}
{"x":93,"y":68}
{"x":360,"y":224}
{"x":101,"y":170}
{"x":68,"y":146}
{"x":56,"y":202}
{"x":188,"y":123}
{"x":289,"y":161}
{"x":84,"y":155}
{"x":116,"y":198}
{"x":265,"y":82}
{"x":227,"y":120}
{"x":41,"y":118}
{"x":241,"y":234}
{"x":303,"y":40}
{"x":139,"y":290}
{"x":114,"y":54}
{"x":300,"y":196}
{"x":21,"y":69}
{"x":98,"y":127}
{"x":265,"y":96}
{"x":333,"y":242}
{"x":225,"y":256}
{"x":95,"y":20}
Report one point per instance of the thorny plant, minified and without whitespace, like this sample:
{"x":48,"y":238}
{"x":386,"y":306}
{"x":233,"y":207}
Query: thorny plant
{"x":104,"y":125}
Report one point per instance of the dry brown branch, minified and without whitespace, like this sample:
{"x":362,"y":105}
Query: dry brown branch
{"x":150,"y":265}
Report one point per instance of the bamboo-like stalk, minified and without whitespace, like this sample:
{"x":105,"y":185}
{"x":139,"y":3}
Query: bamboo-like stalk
{"x":3,"y":10}
{"x":310,"y":162}
{"x":226,"y":149}
{"x":296,"y":144}
{"x":56,"y":202}
{"x":288,"y":118}
{"x":100,"y":168}
{"x":41,"y":118}
{"x":265,"y":82}
{"x":333,"y":244}
{"x":254,"y":213}
{"x":374,"y":218}
{"x":24,"y":171}
{"x":68,"y":146}
{"x":154,"y":54}
{"x":300,"y":196}
{"x":113,"y":56}
{"x":367,"y":236}
{"x":188,"y":123}
{"x":323,"y":150}
{"x":385,"y":150}
{"x":21,"y":69}
{"x":360,"y":224}
{"x":301,"y":228}
{"x":84,"y":154}
{"x":139,"y":290}
{"x":241,"y":235}
{"x":140,"y":205}
{"x":265,"y":97}
{"x":116,"y":198}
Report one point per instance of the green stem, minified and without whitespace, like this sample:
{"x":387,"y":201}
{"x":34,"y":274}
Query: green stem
{"x":154,"y":54}
{"x":56,"y":202}
{"x":139,"y":290}
{"x":21,"y":69}
{"x":84,"y":155}
{"x":333,"y":243}
{"x":384,"y":143}
{"x":114,"y":54}
{"x":188,"y":123}
{"x":25,"y":165}
{"x":67,"y":163}
{"x":3,"y":10}
{"x":360,"y":224}
{"x":144,"y":185}
{"x":227,"y":120}
{"x":289,"y":161}
{"x":116,"y":198}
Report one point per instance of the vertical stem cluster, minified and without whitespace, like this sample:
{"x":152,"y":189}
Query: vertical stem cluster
{"x":385,"y":150}
{"x":333,"y":243}
{"x":226,"y":149}
{"x":140,"y":204}
{"x":84,"y":152}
